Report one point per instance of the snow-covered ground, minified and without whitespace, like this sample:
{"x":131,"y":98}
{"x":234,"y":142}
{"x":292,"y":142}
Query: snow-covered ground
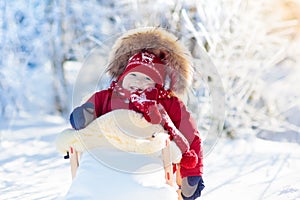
{"x":244,"y":168}
{"x":31,"y":168}
{"x":250,"y":168}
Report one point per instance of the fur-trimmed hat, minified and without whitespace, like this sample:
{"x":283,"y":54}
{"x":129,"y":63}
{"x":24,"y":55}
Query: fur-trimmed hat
{"x":163,"y":44}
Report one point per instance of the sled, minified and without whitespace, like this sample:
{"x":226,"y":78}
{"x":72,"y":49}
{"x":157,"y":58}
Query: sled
{"x":74,"y":157}
{"x":143,"y":138}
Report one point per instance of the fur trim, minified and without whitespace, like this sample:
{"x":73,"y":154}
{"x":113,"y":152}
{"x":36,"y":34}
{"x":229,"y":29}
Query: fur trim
{"x":128,"y":131}
{"x":160,"y":42}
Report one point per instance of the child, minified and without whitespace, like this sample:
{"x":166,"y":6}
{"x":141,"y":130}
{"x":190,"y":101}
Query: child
{"x":141,"y":87}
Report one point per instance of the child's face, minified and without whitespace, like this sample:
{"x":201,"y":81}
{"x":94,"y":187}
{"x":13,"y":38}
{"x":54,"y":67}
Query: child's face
{"x":134,"y":81}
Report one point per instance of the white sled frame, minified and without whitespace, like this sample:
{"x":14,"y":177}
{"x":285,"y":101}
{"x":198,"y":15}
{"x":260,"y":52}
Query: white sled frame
{"x":166,"y":156}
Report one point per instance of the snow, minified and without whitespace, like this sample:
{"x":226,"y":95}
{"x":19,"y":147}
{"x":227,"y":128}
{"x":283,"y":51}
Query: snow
{"x":30,"y":166}
{"x":252,"y":168}
{"x":246,"y":167}
{"x":260,"y":163}
{"x":110,"y":175}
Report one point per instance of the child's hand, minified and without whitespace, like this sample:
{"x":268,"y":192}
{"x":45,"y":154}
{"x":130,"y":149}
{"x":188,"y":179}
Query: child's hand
{"x":82,"y":116}
{"x":146,"y":103}
{"x":191,"y":187}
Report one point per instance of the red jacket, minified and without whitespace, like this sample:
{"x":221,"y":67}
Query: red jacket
{"x":106,"y":101}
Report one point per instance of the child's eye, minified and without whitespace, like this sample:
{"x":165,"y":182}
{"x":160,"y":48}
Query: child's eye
{"x":148,"y":79}
{"x":132,"y":74}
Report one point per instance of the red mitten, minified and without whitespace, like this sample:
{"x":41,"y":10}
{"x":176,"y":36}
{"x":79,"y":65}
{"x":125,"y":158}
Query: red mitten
{"x":153,"y":115}
{"x":189,"y":159}
{"x":145,"y":102}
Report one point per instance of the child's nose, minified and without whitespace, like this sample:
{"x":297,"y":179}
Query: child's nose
{"x":139,"y":79}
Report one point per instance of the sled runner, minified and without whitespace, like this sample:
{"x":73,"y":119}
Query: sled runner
{"x":74,"y":157}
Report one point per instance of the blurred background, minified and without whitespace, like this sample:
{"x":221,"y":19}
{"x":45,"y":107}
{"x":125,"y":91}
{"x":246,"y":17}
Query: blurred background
{"x":254,"y":46}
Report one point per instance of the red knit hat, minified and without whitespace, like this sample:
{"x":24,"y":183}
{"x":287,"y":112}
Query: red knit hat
{"x":146,"y":63}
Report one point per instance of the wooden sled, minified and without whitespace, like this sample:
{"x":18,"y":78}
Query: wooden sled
{"x":108,"y":126}
{"x":74,"y":157}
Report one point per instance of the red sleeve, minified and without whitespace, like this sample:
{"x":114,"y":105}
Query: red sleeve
{"x":100,"y":100}
{"x":185,"y":123}
{"x":181,"y":118}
